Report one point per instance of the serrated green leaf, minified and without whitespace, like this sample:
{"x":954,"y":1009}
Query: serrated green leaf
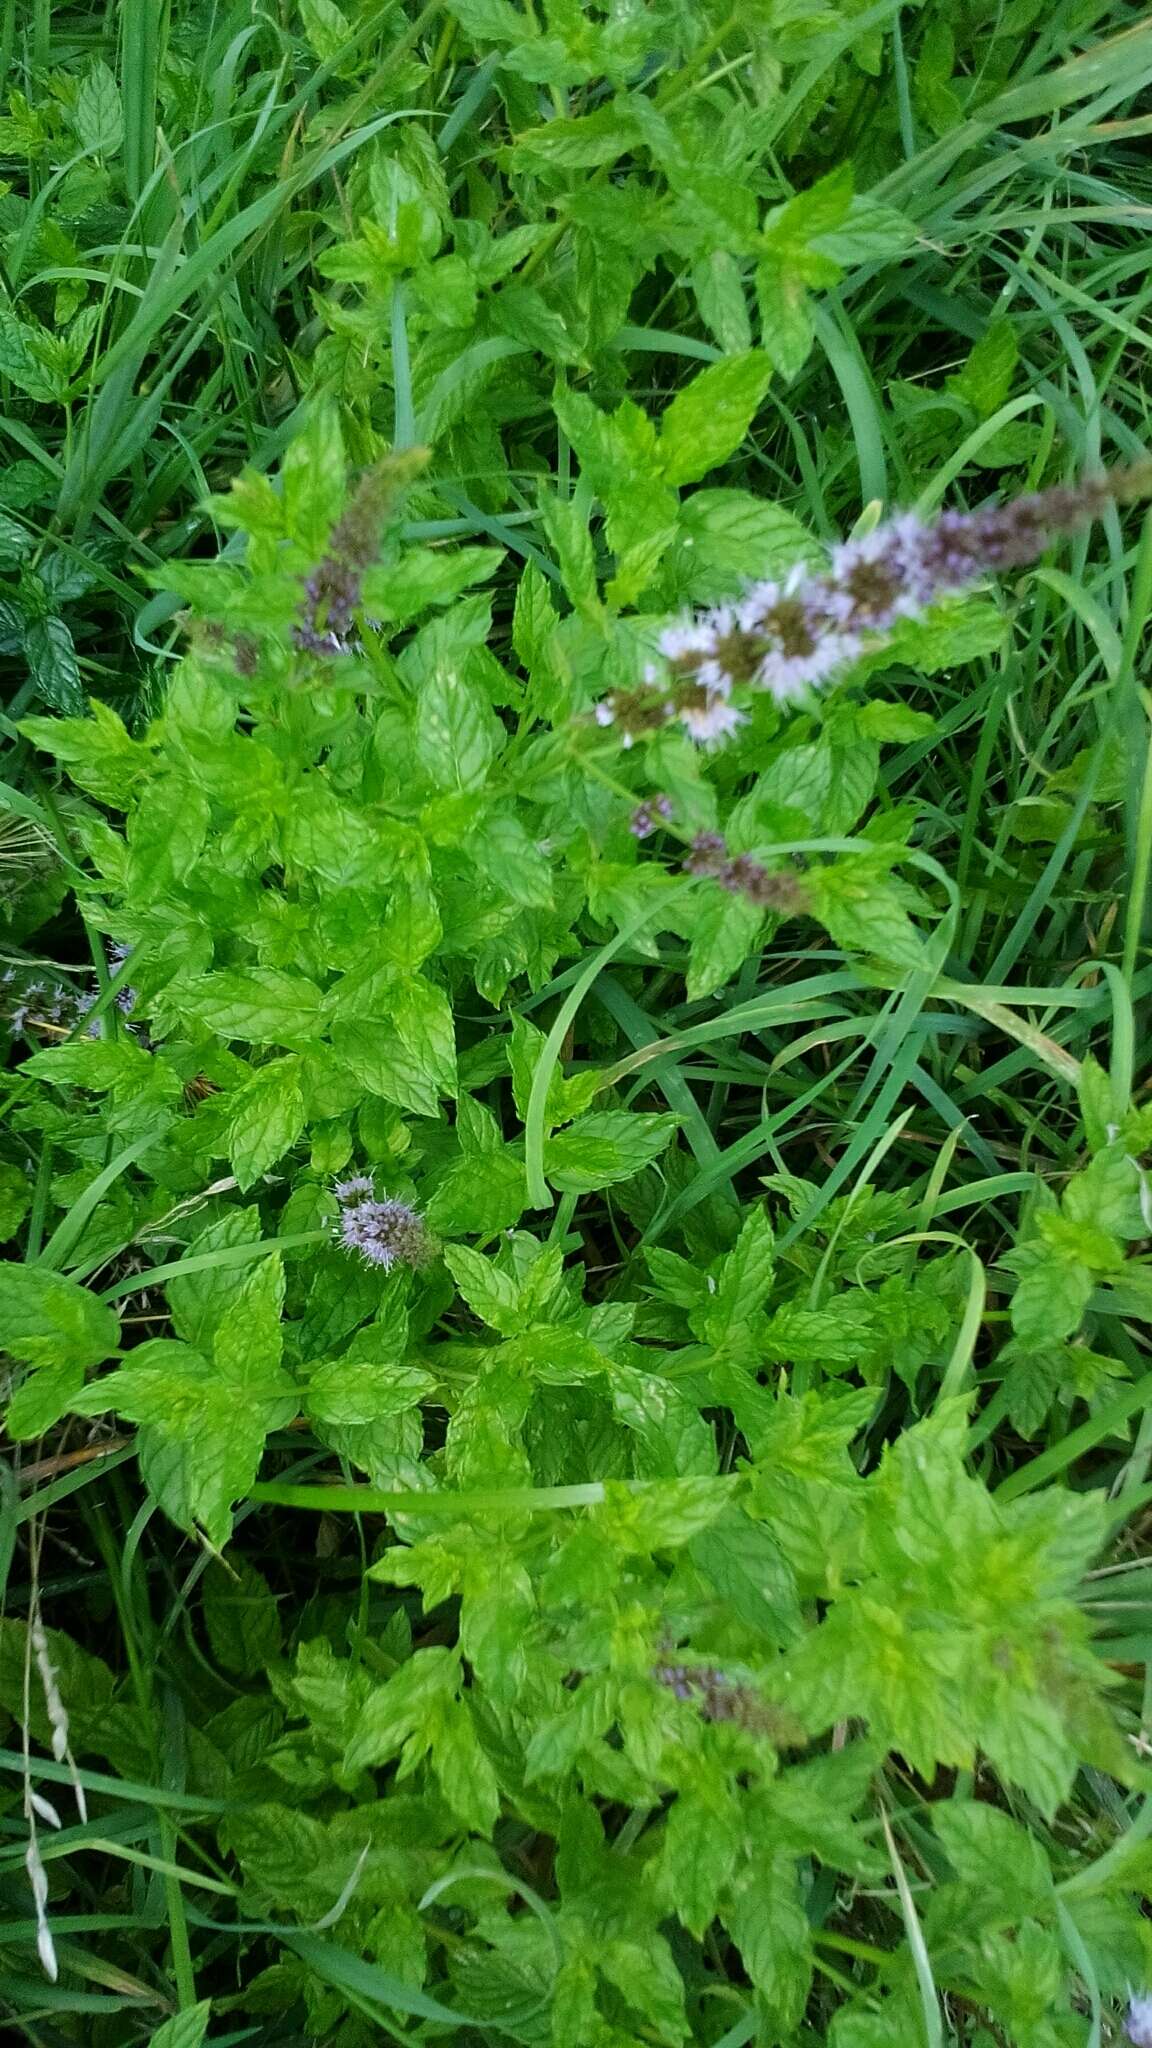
{"x":50,"y":652}
{"x":750,"y":1573}
{"x":185,"y":2029}
{"x":742,"y":1285}
{"x":456,"y":736}
{"x":950,"y":634}
{"x":608,"y":1146}
{"x":394,"y":1710}
{"x":84,"y":1682}
{"x":477,"y":1197}
{"x":314,"y":479}
{"x":18,"y":361}
{"x":423,"y":577}
{"x":869,"y":233}
{"x":166,"y":835}
{"x":1099,"y":1107}
{"x":580,"y":143}
{"x":241,"y":1618}
{"x":326,"y":27}
{"x":567,"y":529}
{"x":864,"y":915}
{"x":1107,"y":1194}
{"x":719,"y":292}
{"x":259,"y":1004}
{"x":46,"y":1319}
{"x":97,"y":751}
{"x":98,"y":1064}
{"x":768,"y":1923}
{"x":490,"y":1294}
{"x":986,"y":378}
{"x":15,"y":1200}
{"x":725,"y":930}
{"x":1050,"y":1300}
{"x":202,"y":1425}
{"x":351,"y":1392}
{"x":699,"y":1853}
{"x":786,"y":330}
{"x":707,"y":421}
{"x":97,"y":115}
{"x":43,"y":1399}
{"x":267,"y":1117}
{"x":989,"y":1849}
{"x":199,"y":1300}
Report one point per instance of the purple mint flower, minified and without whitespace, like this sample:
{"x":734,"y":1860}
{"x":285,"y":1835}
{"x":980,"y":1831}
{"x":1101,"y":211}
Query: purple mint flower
{"x":707,"y":715}
{"x":356,"y":1184}
{"x":385,"y":1233}
{"x":787,"y":638}
{"x":675,"y":1678}
{"x":719,"y":1697}
{"x":1138,"y":2024}
{"x":127,"y":997}
{"x":781,"y":891}
{"x":82,"y":1004}
{"x":326,"y":622}
{"x":706,"y":855}
{"x":647,"y":816}
{"x":882,"y":577}
{"x":331,"y":594}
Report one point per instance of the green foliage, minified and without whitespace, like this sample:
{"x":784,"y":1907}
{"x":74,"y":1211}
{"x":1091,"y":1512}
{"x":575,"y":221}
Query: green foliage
{"x":685,"y":1585}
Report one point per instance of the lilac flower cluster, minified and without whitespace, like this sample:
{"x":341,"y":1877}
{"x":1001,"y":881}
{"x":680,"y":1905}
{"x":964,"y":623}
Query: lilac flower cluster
{"x":1138,"y":2025}
{"x":647,"y":816}
{"x":385,"y":1232}
{"x":50,"y":1005}
{"x":127,"y":997}
{"x":785,"y":638}
{"x":718,"y":1697}
{"x":743,"y":876}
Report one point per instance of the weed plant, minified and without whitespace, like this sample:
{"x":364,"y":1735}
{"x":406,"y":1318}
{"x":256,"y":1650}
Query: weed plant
{"x":575,"y":1177}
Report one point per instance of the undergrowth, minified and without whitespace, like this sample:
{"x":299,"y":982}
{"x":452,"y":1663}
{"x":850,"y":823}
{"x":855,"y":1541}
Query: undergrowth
{"x":575,"y":1314}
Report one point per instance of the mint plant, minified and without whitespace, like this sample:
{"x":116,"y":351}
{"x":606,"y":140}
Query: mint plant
{"x":680,"y":1558}
{"x":574,"y":852}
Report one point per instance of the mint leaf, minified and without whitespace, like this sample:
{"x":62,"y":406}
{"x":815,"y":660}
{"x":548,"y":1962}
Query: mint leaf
{"x":97,"y":116}
{"x":1050,"y":1300}
{"x":45,"y":1396}
{"x":203,"y":1424}
{"x":743,"y":1561}
{"x":699,"y":1853}
{"x":351,"y":1392}
{"x":608,"y":1146}
{"x":185,"y":2029}
{"x":767,"y":1921}
{"x":457,"y":737}
{"x":261,"y":1005}
{"x":708,"y":420}
{"x":267,"y":1118}
{"x":490,"y":1294}
{"x":46,"y":1319}
{"x":241,"y":1618}
{"x":200,"y":1300}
